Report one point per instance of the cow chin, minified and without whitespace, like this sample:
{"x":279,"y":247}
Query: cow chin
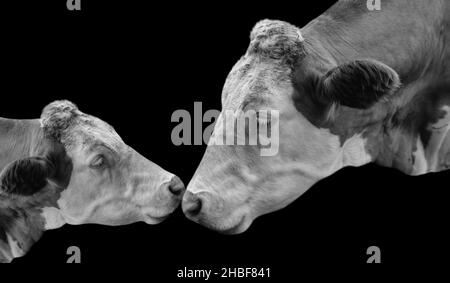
{"x":235,"y":224}
{"x":152,"y":218}
{"x":149,"y":215}
{"x":243,"y":223}
{"x":117,"y":212}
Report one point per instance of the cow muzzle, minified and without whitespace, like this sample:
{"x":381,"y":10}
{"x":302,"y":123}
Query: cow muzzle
{"x":212,"y":212}
{"x":175,"y":187}
{"x":168,"y":197}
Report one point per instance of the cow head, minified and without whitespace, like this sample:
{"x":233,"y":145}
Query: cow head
{"x":83,"y":172}
{"x":327,"y":115}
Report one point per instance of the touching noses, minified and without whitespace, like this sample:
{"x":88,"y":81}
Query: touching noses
{"x":175,"y":187}
{"x":192,"y":205}
{"x":195,"y":204}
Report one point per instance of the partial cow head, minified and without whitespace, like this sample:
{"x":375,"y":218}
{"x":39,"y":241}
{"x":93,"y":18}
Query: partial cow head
{"x":326,"y":114}
{"x":80,"y":171}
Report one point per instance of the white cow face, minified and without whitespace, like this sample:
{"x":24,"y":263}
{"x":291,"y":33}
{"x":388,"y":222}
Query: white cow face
{"x":234,"y":184}
{"x":109,"y":182}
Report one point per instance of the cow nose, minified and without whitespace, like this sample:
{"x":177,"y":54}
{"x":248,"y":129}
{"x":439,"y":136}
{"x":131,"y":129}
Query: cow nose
{"x":176,"y":186}
{"x":192,"y":204}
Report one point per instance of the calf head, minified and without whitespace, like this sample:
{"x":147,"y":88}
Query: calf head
{"x":80,"y":171}
{"x":327,"y":116}
{"x":110,"y":183}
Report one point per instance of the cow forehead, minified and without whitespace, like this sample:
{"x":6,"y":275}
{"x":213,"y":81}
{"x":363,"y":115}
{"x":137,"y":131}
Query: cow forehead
{"x":252,"y":81}
{"x":91,"y":131}
{"x":277,"y":40}
{"x":275,"y":48}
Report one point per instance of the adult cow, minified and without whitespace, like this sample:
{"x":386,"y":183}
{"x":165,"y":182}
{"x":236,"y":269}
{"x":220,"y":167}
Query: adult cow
{"x":70,"y":167}
{"x":353,"y":86}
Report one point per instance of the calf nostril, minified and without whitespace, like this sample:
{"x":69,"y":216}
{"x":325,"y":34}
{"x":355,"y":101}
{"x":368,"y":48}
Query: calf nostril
{"x":176,"y":186}
{"x":192,"y":206}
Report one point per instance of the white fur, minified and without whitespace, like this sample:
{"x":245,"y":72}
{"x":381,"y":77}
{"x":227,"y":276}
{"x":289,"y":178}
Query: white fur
{"x":439,"y":131}
{"x":354,"y":151}
{"x":300,"y":37}
{"x":16,"y":251}
{"x":421,"y":164}
{"x":53,"y":218}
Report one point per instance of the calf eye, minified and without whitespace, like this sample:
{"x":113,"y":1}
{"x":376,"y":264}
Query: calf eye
{"x":98,"y":162}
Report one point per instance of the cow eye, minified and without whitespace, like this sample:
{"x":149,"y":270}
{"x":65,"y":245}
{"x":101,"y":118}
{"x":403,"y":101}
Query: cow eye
{"x":98,"y":162}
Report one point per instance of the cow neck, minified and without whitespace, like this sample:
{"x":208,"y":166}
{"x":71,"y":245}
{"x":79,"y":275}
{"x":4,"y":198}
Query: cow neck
{"x":16,"y":138}
{"x":21,"y":220}
{"x":348,"y":38}
{"x":330,"y":42}
{"x":401,"y":141}
{"x":21,"y":225}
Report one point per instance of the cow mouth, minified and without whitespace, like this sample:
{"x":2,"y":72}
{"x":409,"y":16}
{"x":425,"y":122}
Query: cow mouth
{"x":151,"y":219}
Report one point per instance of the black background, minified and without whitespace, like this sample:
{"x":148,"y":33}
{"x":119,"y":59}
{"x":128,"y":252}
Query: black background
{"x":133,"y":65}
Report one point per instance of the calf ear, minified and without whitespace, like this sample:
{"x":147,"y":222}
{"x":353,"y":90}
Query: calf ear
{"x":26,"y":176}
{"x":359,"y":84}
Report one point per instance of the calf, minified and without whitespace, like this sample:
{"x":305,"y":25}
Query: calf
{"x":70,"y":167}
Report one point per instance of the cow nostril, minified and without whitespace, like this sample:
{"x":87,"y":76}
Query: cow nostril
{"x":192,"y":206}
{"x":176,"y":186}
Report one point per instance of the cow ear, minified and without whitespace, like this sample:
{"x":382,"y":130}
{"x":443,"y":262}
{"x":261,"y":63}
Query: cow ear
{"x":26,"y":176}
{"x":359,"y":84}
{"x":57,"y":117}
